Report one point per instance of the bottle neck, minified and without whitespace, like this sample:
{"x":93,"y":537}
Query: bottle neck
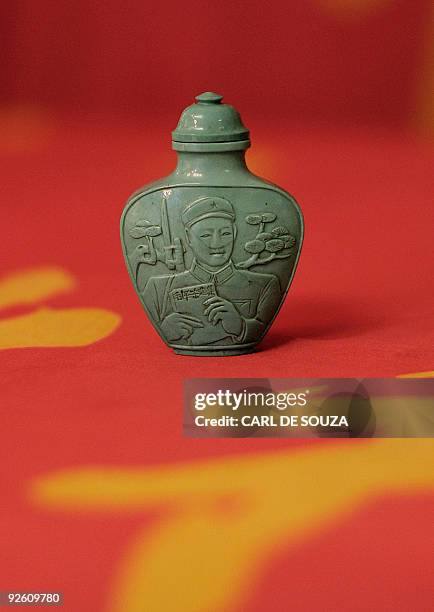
{"x":196,"y":166}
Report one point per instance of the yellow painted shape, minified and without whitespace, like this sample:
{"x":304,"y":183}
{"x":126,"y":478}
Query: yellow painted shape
{"x":199,"y":558}
{"x":33,"y":285}
{"x":47,"y":327}
{"x":423,"y":118}
{"x":417,"y":375}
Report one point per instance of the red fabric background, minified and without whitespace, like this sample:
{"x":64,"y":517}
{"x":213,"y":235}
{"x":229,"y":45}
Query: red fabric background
{"x":342,"y":89}
{"x":361,"y":305}
{"x":303,"y":58}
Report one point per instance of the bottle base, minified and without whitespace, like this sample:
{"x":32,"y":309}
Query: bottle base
{"x":226,"y":351}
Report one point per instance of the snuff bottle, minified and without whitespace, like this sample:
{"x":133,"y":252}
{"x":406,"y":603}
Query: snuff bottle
{"x":211,"y":249}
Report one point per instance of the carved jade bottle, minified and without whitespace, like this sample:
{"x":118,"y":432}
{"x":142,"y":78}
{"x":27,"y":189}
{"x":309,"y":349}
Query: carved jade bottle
{"x":211,"y":249}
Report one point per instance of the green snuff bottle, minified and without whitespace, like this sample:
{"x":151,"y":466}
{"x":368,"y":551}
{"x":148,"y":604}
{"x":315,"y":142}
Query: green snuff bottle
{"x":211,"y":249}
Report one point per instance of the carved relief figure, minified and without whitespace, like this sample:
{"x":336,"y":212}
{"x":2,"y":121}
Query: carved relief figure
{"x":214,"y":301}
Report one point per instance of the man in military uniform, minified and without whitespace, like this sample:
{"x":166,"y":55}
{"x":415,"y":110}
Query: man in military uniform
{"x":212,"y":303}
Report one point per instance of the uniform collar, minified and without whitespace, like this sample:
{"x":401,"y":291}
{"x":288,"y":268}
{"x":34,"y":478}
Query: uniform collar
{"x":219,"y":277}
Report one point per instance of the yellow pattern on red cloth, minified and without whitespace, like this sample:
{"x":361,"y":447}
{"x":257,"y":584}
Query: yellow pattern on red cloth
{"x":49,"y":327}
{"x":282,"y":497}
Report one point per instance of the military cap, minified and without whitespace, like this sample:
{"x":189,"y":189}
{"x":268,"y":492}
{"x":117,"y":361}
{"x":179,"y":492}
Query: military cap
{"x":207,"y":207}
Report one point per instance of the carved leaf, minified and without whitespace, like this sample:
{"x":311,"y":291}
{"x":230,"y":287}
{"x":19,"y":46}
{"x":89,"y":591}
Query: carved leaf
{"x":154,"y":230}
{"x":254,"y":219}
{"x":264,"y":236}
{"x":273,"y":246}
{"x":255,"y":246}
{"x":279,"y":231}
{"x":268,"y":217}
{"x":138,"y":232}
{"x":143,"y":223}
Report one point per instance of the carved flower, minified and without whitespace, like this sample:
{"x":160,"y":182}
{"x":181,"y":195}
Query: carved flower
{"x":273,"y":246}
{"x":255,"y":246}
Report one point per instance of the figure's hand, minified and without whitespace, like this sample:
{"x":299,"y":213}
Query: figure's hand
{"x":176,"y":326}
{"x":219,"y":309}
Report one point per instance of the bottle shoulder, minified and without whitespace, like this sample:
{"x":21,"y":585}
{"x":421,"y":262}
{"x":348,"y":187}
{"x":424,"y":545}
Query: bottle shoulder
{"x":155,"y":185}
{"x":246,"y":180}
